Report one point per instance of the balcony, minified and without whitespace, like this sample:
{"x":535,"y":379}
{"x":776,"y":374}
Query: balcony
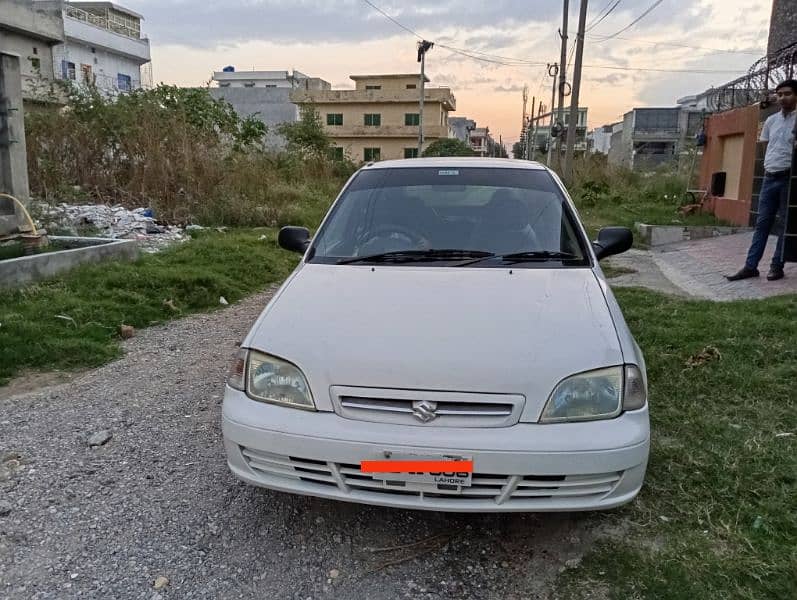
{"x":442,"y":95}
{"x":90,"y":30}
{"x":387,"y":131}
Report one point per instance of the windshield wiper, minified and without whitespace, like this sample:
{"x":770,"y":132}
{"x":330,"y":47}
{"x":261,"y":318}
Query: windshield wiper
{"x":418,"y":256}
{"x":527,"y":256}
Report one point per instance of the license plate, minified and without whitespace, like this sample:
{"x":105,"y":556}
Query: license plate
{"x":421,"y":472}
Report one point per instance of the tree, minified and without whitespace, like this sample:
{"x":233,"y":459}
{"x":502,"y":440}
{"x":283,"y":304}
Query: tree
{"x":307,"y":136}
{"x":448,"y":147}
{"x":518,"y":149}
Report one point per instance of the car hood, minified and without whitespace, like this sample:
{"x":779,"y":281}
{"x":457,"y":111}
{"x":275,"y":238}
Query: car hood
{"x":481,"y":330}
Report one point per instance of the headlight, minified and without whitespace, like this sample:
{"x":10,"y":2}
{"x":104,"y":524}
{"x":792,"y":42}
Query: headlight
{"x":600,"y":394}
{"x":270,"y":379}
{"x":586,"y":396}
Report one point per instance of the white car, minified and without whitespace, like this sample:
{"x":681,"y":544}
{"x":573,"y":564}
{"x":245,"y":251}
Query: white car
{"x":448,"y":342}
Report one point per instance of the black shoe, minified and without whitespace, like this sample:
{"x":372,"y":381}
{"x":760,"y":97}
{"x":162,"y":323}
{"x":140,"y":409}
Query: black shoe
{"x":743,"y":273}
{"x":775,"y":274}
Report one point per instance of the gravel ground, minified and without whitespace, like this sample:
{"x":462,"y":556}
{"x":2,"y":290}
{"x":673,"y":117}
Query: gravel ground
{"x":157,"y":501}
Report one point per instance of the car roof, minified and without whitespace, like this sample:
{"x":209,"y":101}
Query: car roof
{"x":457,"y":161}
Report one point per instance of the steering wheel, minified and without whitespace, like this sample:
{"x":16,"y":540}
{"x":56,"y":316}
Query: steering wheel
{"x":388,"y":231}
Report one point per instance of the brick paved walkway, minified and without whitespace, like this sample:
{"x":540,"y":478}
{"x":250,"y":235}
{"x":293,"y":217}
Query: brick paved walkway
{"x":698,"y":268}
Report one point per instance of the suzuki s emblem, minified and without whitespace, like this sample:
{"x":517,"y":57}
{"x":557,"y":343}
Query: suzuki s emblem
{"x":424,"y":410}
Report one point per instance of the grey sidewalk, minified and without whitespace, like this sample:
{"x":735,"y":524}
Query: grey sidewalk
{"x":698,"y":268}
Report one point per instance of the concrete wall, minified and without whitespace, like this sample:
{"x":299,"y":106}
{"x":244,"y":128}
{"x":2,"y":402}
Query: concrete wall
{"x":435,"y":119}
{"x":399,"y":83}
{"x":272,"y":105}
{"x":389,"y":149}
{"x":720,"y":128}
{"x":105,"y":65}
{"x":38,"y":19}
{"x":136,"y":49}
{"x":30,"y":48}
{"x":783,"y":25}
{"x":13,"y":158}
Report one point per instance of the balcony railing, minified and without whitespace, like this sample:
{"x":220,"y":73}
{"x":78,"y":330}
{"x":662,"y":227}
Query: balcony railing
{"x":103,"y":22}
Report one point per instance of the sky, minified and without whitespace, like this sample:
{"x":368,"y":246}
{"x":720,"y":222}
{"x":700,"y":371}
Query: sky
{"x":334,"y":39}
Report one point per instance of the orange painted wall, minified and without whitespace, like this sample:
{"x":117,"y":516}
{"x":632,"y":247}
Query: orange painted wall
{"x":742,"y":121}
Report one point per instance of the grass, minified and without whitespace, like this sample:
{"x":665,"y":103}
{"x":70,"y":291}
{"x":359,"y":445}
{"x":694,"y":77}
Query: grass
{"x":717,"y":517}
{"x":73,"y":321}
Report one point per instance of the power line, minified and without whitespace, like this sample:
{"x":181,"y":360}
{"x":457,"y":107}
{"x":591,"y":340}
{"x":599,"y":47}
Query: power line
{"x":407,"y":29}
{"x":600,"y":39}
{"x":595,"y":23}
{"x":517,"y":62}
{"x":637,"y":20}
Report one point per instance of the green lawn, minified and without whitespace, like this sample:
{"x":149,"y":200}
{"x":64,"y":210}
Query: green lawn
{"x":717,"y":518}
{"x":72,"y":321}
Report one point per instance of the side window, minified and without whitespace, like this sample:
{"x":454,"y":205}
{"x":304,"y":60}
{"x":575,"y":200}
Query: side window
{"x":370,"y":154}
{"x":124,"y":82}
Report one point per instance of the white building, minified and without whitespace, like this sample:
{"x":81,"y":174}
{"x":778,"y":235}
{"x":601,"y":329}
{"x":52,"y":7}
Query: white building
{"x":29,"y":30}
{"x":602,"y":137}
{"x":229,"y":77}
{"x":103,"y":46}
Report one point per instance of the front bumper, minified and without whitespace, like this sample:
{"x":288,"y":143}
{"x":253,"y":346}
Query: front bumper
{"x":526,"y":467}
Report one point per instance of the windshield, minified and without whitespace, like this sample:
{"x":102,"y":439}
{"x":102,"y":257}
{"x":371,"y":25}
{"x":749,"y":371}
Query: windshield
{"x":486,"y":212}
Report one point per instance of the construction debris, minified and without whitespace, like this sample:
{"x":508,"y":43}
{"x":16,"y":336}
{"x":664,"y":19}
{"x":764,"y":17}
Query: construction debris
{"x":118,"y":222}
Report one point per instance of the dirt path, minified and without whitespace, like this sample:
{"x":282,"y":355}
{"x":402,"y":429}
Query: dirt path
{"x":158,"y":500}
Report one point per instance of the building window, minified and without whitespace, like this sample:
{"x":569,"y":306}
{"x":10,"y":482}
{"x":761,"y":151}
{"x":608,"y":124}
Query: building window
{"x":336,"y":153}
{"x":373,"y":87}
{"x":271,"y":85}
{"x":67,"y":70}
{"x":411,"y":86}
{"x":370,"y":154}
{"x":412,"y":119}
{"x":35,"y":63}
{"x":373,"y":120}
{"x":35,"y":50}
{"x":85,"y":73}
{"x":334,"y":118}
{"x":249,"y":84}
{"x":410,"y":153}
{"x":224,"y":84}
{"x":124,"y":82}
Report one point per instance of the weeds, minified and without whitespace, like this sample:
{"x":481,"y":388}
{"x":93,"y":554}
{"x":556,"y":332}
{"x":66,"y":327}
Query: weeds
{"x":178,"y":151}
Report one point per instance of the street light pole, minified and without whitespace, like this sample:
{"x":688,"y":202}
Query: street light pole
{"x":423,"y":48}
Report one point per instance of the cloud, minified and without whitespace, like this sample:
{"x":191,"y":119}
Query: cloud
{"x":611,"y":79}
{"x":508,"y":88}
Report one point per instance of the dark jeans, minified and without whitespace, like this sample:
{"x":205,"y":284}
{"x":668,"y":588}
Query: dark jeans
{"x":771,"y":202}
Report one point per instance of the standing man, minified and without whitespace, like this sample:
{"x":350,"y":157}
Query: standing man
{"x":778,"y":132}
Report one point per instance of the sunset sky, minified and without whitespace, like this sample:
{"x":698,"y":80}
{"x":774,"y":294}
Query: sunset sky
{"x":334,"y":39}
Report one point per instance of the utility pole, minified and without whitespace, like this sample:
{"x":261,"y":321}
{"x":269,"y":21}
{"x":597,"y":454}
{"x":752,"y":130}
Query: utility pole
{"x":571,"y":129}
{"x":423,"y":48}
{"x":553,"y":70}
{"x":562,"y":75}
{"x":529,"y":129}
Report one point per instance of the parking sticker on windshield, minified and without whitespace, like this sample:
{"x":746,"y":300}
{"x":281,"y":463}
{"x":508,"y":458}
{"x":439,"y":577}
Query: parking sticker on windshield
{"x":448,"y":172}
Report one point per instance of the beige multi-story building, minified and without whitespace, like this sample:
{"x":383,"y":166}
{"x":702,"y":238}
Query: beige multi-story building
{"x":378,"y":120}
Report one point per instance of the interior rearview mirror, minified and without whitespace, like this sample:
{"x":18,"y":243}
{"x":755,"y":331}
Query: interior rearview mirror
{"x":295,"y":239}
{"x":612,"y":240}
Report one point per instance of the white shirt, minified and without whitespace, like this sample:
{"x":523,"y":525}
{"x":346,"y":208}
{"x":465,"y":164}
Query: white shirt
{"x":778,"y":131}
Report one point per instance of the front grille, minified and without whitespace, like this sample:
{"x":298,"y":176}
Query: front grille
{"x":435,"y":409}
{"x":502,"y":489}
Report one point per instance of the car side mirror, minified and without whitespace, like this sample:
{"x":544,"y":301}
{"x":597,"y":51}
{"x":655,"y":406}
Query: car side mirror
{"x":612,"y":240}
{"x":295,"y":239}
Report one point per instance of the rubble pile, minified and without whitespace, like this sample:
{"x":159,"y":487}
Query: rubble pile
{"x":101,"y":220}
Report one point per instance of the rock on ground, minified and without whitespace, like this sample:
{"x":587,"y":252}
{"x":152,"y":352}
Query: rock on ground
{"x":159,"y":501}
